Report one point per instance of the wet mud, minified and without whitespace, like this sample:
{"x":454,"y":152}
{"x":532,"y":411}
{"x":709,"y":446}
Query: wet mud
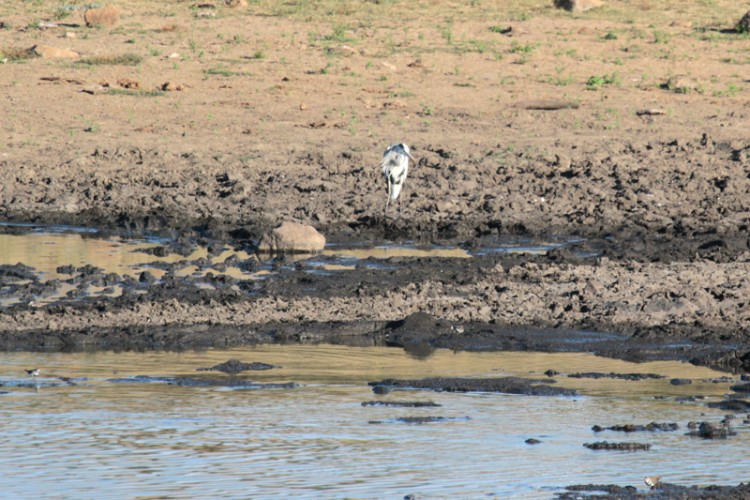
{"x":506,"y":385}
{"x":662,"y":491}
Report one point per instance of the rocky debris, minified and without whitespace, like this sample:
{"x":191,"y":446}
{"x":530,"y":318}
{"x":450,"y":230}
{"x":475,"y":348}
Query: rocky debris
{"x":235,"y":366}
{"x":606,"y":445}
{"x":532,"y":441}
{"x":105,"y":17}
{"x":708,"y":430}
{"x":653,"y":426}
{"x":620,"y":376}
{"x":740,"y":388}
{"x":402,"y":404}
{"x":578,"y":5}
{"x":292,"y":237}
{"x":507,"y":385}
{"x":418,"y":420}
{"x":129,"y":83}
{"x":552,"y":373}
{"x":49,"y":52}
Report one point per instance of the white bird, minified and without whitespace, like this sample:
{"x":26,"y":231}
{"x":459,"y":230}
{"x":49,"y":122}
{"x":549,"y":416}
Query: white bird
{"x":395,"y":166}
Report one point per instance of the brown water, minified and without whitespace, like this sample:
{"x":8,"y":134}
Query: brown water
{"x":102,"y":439}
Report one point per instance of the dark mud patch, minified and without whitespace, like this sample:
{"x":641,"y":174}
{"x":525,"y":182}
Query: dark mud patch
{"x":618,"y":376}
{"x":230,"y":382}
{"x":235,"y":366}
{"x":402,"y":404}
{"x":506,"y":385}
{"x":650,"y":427}
{"x":607,"y":446}
{"x":662,"y":491}
{"x":731,"y":404}
{"x":419,"y":420}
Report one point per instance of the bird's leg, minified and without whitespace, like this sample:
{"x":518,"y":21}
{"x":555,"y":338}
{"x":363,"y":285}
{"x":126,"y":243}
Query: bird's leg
{"x":388,"y":200}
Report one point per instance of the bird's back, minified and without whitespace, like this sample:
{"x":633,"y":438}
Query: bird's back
{"x":395,"y":164}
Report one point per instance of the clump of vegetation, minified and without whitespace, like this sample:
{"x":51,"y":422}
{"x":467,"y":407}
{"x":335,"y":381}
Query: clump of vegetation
{"x":122,"y":59}
{"x":8,"y":54}
{"x":596,"y":82}
{"x":743,"y":25}
{"x":136,"y":93}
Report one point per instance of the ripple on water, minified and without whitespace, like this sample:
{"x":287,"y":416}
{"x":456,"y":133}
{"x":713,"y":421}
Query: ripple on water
{"x":316,"y":441}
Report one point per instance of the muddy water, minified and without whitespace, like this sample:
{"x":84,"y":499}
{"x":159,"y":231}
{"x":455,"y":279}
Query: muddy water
{"x":49,"y":249}
{"x":316,"y":440}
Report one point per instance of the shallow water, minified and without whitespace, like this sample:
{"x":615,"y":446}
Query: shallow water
{"x":119,"y":440}
{"x":48,"y":248}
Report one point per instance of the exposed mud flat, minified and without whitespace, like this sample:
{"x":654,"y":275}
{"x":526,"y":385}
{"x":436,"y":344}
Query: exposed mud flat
{"x":651,"y":172}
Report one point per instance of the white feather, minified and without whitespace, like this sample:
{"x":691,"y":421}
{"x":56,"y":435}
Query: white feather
{"x":395,"y":166}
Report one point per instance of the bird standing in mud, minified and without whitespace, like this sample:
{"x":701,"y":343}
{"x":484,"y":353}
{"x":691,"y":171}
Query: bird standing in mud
{"x":33,"y":372}
{"x":652,"y":481}
{"x":395,"y":166}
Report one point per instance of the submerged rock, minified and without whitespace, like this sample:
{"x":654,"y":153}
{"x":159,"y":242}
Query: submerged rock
{"x":707,"y":430}
{"x":401,"y":404}
{"x":507,"y":385}
{"x":621,"y":376}
{"x":202,"y":382}
{"x":235,"y":366}
{"x":653,"y":426}
{"x":418,"y":420}
{"x":605,"y":445}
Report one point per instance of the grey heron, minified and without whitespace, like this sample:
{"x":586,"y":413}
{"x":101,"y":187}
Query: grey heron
{"x":395,"y":166}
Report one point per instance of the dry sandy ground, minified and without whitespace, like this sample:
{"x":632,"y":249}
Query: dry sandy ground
{"x":627,"y":122}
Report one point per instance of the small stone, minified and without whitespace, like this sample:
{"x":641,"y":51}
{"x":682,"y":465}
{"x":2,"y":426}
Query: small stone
{"x":70,"y":34}
{"x":578,"y":5}
{"x":532,"y":441}
{"x":171,"y":87}
{"x":128,"y":83}
{"x":173,"y":55}
{"x":302,"y":106}
{"x":106,"y":17}
{"x":237,"y":4}
{"x":47,"y":52}
{"x":680,"y":381}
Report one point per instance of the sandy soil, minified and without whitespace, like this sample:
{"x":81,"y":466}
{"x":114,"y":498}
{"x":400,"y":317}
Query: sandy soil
{"x":626,"y":125}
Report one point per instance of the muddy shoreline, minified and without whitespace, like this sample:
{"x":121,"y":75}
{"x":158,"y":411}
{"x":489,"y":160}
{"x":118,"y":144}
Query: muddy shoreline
{"x":261,"y":127}
{"x":644,"y":301}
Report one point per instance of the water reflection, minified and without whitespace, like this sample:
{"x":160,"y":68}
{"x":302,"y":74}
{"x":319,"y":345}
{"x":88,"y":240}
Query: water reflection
{"x":314,"y":441}
{"x":56,"y":254}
